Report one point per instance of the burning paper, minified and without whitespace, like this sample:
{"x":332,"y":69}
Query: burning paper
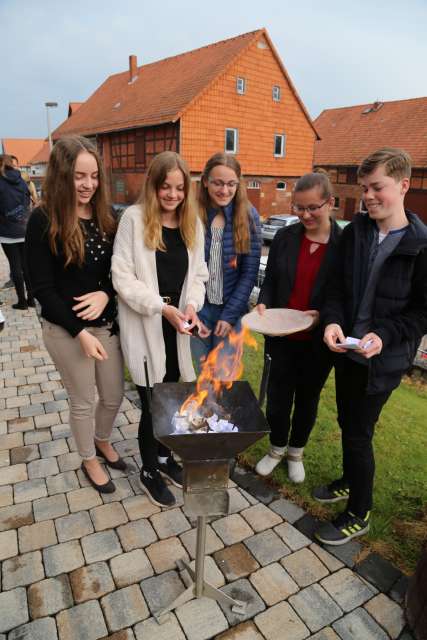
{"x":184,"y":423}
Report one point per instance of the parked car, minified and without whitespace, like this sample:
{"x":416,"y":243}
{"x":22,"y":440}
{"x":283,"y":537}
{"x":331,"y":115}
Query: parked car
{"x":272,"y":225}
{"x":253,"y":298}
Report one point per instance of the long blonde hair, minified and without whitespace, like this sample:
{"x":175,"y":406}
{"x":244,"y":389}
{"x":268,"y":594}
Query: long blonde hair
{"x":242,"y":219}
{"x":59,"y":199}
{"x":157,"y":173}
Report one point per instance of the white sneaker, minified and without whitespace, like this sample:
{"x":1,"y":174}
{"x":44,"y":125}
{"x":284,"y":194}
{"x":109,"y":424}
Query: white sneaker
{"x":270,"y":461}
{"x":296,"y":471}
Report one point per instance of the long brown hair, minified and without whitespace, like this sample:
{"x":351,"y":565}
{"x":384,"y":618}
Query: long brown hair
{"x":59,"y":199}
{"x":157,"y":172}
{"x":242,"y":218}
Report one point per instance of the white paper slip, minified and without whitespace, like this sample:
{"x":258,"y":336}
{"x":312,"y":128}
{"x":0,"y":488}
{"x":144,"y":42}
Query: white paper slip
{"x":352,"y":343}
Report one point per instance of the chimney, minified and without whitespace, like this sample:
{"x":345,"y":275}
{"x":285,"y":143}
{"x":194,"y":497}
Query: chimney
{"x":133,"y":68}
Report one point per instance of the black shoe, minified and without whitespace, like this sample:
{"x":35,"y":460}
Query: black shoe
{"x":107,"y":487}
{"x":119,"y":464}
{"x":333,"y":492}
{"x":31,"y":302}
{"x":20,"y":305}
{"x":156,"y":489}
{"x":342,"y":529}
{"x":172,"y":470}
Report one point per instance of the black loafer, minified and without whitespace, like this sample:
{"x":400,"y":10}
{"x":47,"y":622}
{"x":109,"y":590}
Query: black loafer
{"x":119,"y":464}
{"x":107,"y":487}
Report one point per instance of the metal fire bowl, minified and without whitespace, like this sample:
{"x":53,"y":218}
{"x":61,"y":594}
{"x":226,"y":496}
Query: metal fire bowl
{"x":239,"y":401}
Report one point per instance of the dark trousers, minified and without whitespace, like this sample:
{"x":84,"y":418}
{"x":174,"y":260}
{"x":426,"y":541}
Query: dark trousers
{"x":298,"y":372}
{"x":358,"y":413}
{"x":149,"y":447}
{"x":18,"y":269}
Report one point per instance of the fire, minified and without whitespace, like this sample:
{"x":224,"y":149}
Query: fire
{"x":222,"y":366}
{"x":233,"y":262}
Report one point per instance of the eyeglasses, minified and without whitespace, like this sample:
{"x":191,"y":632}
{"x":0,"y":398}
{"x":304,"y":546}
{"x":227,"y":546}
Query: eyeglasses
{"x":312,"y":208}
{"x":220,"y":184}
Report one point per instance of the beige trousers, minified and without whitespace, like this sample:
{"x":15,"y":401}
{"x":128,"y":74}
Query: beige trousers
{"x":80,"y":375}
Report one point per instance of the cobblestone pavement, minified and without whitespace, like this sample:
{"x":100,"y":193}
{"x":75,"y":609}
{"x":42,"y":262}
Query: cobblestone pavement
{"x":76,"y":565}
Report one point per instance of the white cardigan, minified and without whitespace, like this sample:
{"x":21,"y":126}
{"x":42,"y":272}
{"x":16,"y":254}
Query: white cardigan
{"x":140,"y":305}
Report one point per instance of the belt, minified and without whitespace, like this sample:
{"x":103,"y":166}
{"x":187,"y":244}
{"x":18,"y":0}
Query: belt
{"x":172,"y":297}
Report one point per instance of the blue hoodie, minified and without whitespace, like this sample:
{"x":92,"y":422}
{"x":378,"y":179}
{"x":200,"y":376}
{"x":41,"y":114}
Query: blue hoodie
{"x":14,"y":205}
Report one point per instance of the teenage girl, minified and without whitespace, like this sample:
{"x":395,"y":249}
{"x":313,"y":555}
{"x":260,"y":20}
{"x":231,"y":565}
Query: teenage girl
{"x":297,"y":273}
{"x":159,"y":273}
{"x":69,"y":244}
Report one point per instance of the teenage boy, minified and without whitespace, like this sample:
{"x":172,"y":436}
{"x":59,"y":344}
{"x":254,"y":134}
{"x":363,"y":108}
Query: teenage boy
{"x":379,"y":295}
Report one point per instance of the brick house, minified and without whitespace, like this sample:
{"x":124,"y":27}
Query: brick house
{"x":234,"y":96}
{"x":24,"y":149}
{"x":349,"y":134}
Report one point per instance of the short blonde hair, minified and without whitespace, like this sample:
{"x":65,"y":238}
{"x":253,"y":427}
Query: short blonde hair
{"x":396,"y":162}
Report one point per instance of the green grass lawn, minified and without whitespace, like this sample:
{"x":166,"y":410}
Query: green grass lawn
{"x":399,"y":521}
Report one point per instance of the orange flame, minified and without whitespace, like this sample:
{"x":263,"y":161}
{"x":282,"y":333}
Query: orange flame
{"x":233,"y":262}
{"x":222,"y":366}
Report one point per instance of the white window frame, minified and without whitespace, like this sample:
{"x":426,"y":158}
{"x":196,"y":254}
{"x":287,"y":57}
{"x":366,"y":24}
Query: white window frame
{"x":254,"y":184}
{"x":281,"y":188}
{"x":276,"y":93}
{"x":240,"y":85}
{"x":282,"y":137}
{"x":236,"y":140}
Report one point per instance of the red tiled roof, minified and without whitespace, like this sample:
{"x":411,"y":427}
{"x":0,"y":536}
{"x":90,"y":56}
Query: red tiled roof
{"x":73,"y":107}
{"x":348,"y":134}
{"x":42,"y":156}
{"x":161,"y":91}
{"x":23,"y":148}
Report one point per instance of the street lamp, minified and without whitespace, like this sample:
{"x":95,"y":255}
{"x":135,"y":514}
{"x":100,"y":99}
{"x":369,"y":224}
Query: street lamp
{"x":48,"y":105}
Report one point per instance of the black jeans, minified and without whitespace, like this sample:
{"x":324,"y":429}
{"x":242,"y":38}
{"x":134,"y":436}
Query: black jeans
{"x":358,"y":413}
{"x":299,"y":370}
{"x":15,"y":253}
{"x":149,"y":447}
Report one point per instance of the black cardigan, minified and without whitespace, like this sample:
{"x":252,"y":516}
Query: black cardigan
{"x":55,"y":285}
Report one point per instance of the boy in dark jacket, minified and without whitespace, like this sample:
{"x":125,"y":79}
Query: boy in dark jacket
{"x":378,"y":295}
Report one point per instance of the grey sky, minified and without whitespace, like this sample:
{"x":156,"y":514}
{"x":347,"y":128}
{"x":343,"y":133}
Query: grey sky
{"x":337,"y":53}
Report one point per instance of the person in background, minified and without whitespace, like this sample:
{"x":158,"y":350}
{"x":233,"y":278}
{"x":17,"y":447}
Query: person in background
{"x":159,"y":273}
{"x":31,"y":189}
{"x":378,"y":294}
{"x":297,"y":273}
{"x":69,"y":245}
{"x":232,"y":251}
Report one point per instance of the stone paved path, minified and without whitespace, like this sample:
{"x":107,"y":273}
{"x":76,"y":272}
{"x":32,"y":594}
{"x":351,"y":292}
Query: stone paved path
{"x":76,"y":565}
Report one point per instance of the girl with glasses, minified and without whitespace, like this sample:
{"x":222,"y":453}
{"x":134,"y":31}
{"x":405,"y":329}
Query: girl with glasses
{"x":296,"y":276}
{"x":232,"y":250}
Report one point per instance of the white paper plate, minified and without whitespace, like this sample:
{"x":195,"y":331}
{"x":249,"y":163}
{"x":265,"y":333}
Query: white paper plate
{"x":277,"y":322}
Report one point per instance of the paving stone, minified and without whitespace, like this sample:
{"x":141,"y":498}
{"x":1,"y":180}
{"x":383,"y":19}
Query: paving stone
{"x":332,"y":563}
{"x":387,"y":613}
{"x":287,"y":510}
{"x":50,"y":508}
{"x":53,"y":448}
{"x":304,"y":567}
{"x":151,"y":630}
{"x":161,"y":590}
{"x":315,"y":607}
{"x":44,"y":420}
{"x":347,"y":589}
{"x":232,"y":529}
{"x":22,"y":570}
{"x":267,"y":547}
{"x":170,"y":523}
{"x":49,"y":596}
{"x":8,"y":544}
{"x":4,"y":458}
{"x":73,"y":526}
{"x":237,"y":501}
{"x":42,"y":468}
{"x":83,"y":622}
{"x":211,"y":572}
{"x":139,"y":507}
{"x":12,"y":517}
{"x":131,"y":567}
{"x":63,"y":558}
{"x":378,"y":571}
{"x":60,"y":431}
{"x":281,"y":621}
{"x":261,"y":517}
{"x":101,"y":546}
{"x":13,"y":609}
{"x":34,"y":437}
{"x":37,"y":536}
{"x":15,"y":473}
{"x":22,"y":425}
{"x":124,"y":607}
{"x":201,"y":619}
{"x":6,"y":496}
{"x":29,"y":490}
{"x":244,"y":631}
{"x":91,"y":582}
{"x":69,"y":461}
{"x":62,"y":483}
{"x":32,"y":410}
{"x":43,"y":629}
{"x":213,"y":542}
{"x":18,"y":401}
{"x":137,"y":534}
{"x":291,"y":536}
{"x":24,"y":454}
{"x":254,"y":485}
{"x":30,"y":389}
{"x":126,"y":448}
{"x":273,"y":583}
{"x":83,"y":499}
{"x":108,"y":516}
{"x":235,"y":562}
{"x":11,"y":440}
{"x":242,"y":590}
{"x":164,"y":554}
{"x":123,"y":490}
{"x":359,"y":624}
{"x":124,"y":634}
{"x":348,"y":553}
{"x":398,"y":590}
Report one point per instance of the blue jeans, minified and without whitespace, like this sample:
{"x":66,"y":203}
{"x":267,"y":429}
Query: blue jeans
{"x":200,"y":347}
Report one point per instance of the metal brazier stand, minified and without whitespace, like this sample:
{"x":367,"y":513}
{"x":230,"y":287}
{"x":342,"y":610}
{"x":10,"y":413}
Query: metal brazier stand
{"x":206,"y":462}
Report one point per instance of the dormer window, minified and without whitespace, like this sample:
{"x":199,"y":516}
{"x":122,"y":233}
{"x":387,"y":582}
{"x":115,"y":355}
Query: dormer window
{"x":276,"y":93}
{"x":240,"y":86}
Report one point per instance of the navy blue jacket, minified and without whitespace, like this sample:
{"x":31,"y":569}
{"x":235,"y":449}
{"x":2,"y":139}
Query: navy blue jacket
{"x":14,"y":204}
{"x":239,"y":270}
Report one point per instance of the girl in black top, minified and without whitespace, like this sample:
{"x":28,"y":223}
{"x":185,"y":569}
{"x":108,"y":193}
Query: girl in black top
{"x":68,"y":249}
